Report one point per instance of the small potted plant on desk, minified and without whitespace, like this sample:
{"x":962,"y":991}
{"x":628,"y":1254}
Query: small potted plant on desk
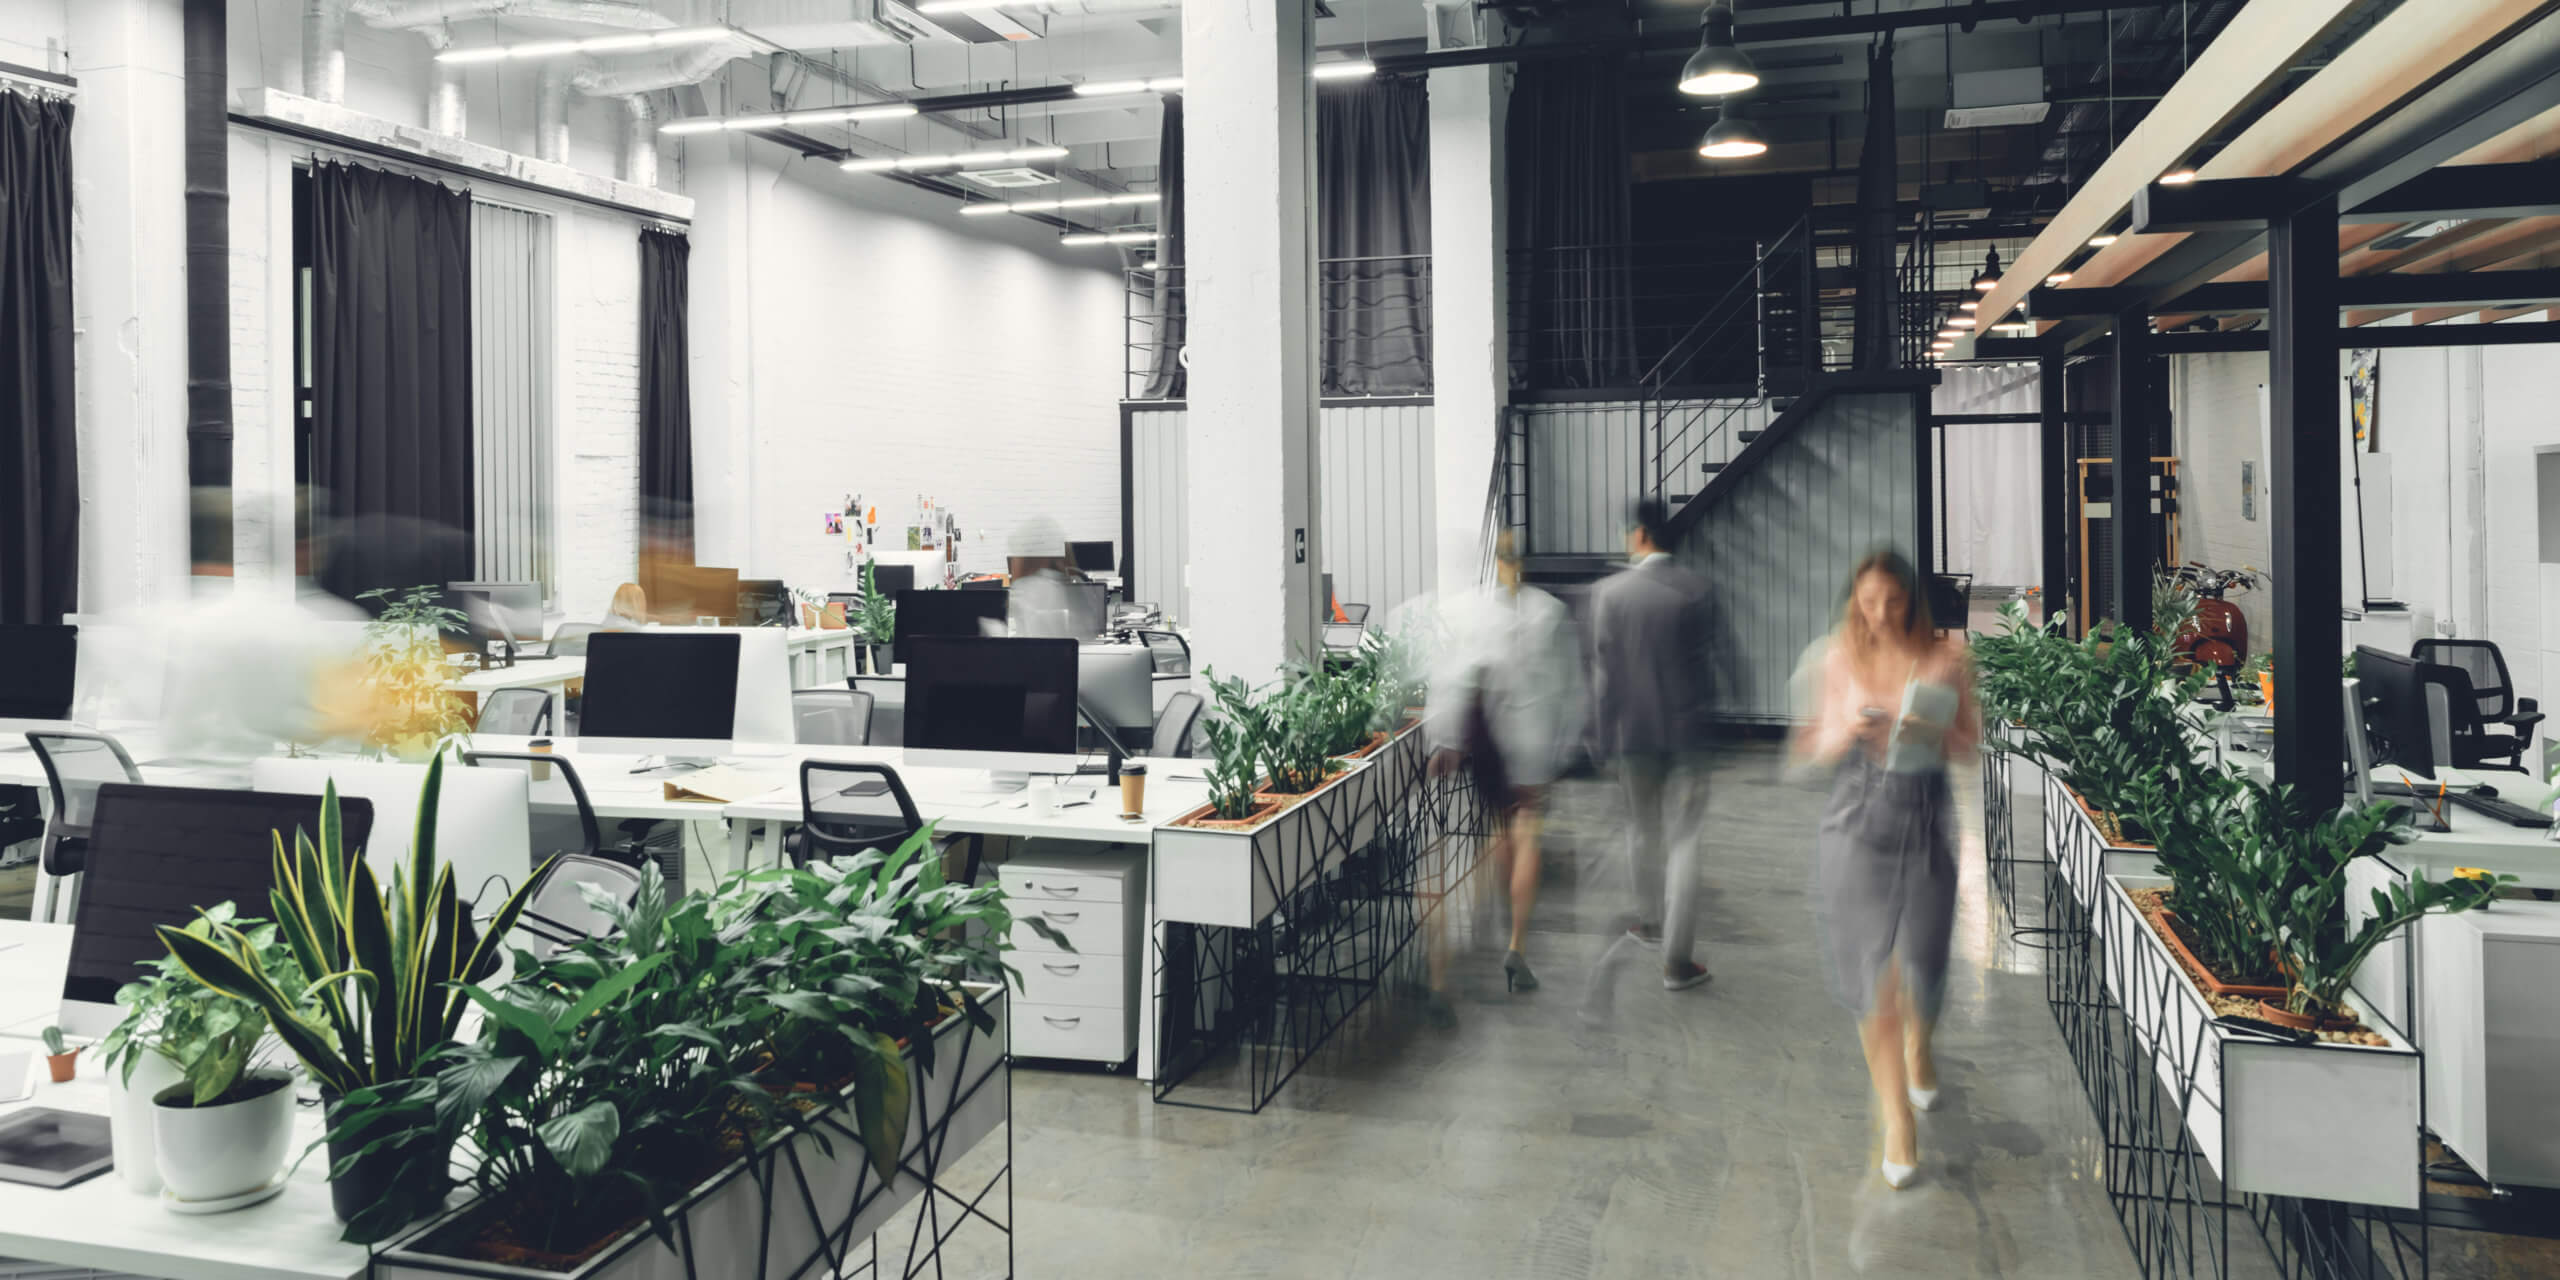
{"x":169,"y":1018}
{"x":876,"y":621}
{"x":59,"y":1058}
{"x":220,"y":1133}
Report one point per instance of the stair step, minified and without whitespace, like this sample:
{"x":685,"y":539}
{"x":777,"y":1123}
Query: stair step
{"x":1679,"y":500}
{"x":1711,"y":467}
{"x":1749,"y":436}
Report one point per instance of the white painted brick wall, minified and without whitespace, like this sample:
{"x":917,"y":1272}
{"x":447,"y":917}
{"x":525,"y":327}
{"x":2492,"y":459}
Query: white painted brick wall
{"x":598,"y":431}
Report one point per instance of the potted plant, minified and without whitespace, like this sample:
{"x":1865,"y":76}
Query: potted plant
{"x":876,"y":621}
{"x":169,"y":1020}
{"x":59,"y":1058}
{"x":416,"y":712}
{"x":219,"y":1134}
{"x":1239,"y":737}
{"x":384,"y":971}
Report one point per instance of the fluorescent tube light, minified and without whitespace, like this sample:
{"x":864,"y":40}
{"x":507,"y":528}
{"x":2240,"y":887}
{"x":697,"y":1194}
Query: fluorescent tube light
{"x":624,"y":43}
{"x":1114,"y":237}
{"x":1969,"y":304}
{"x":2102,"y":241}
{"x":2057,"y":277}
{"x":962,"y":159}
{"x":787,"y":119}
{"x":992,"y":207}
{"x":1115,"y":88}
{"x":935,"y":8}
{"x":1353,"y":69}
{"x":2177,"y":177}
{"x":1961,"y":322}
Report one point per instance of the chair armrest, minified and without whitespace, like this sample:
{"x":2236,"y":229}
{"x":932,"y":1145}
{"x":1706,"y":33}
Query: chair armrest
{"x":2527,"y":706}
{"x":2525,"y":718}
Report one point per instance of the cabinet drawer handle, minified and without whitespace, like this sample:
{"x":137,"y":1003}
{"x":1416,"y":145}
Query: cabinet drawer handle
{"x":1062,"y":1022}
{"x":1062,"y":970}
{"x":1063,"y":917}
{"x":1054,"y":890}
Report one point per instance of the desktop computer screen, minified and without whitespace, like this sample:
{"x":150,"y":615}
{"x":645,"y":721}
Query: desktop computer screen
{"x":992,"y":702}
{"x":763,"y":602}
{"x":2395,"y":718}
{"x":893,"y":578}
{"x":1116,"y":687}
{"x":660,"y":684}
{"x":37,"y":663}
{"x":158,"y":853}
{"x":969,"y":614}
{"x":512,"y":610}
{"x":1091,"y":557}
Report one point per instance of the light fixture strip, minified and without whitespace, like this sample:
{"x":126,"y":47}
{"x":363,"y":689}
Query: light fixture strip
{"x":1122,"y":88}
{"x":787,"y":119}
{"x":939,"y":8}
{"x":992,"y":207}
{"x":624,"y":43}
{"x":1349,"y":69}
{"x":962,"y":159}
{"x":1108,"y":237}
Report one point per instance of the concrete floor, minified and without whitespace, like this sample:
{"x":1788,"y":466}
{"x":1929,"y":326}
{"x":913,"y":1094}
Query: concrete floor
{"x":1724,"y":1131}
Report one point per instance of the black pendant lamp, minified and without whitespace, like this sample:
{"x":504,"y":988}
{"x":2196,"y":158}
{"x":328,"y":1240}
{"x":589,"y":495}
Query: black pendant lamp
{"x":1719,"y":66}
{"x":1990,"y":277}
{"x":1731,"y":137}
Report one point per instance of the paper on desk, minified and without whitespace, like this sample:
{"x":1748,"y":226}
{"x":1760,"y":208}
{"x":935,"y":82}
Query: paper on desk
{"x":718,"y":784}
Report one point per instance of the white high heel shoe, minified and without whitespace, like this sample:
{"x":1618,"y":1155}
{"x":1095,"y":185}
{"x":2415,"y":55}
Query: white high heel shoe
{"x":1897,"y":1176}
{"x":1921,"y":1099}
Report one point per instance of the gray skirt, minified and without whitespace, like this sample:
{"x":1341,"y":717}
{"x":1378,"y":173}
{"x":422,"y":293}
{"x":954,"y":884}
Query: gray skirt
{"x":1885,"y":883}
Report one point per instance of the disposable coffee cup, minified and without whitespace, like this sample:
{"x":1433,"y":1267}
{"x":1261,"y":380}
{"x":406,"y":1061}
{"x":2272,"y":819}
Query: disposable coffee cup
{"x":540,"y":746}
{"x":1133,"y":790}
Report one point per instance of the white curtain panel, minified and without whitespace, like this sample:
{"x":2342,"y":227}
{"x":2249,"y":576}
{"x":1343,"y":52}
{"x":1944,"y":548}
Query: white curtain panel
{"x":1993,"y":495}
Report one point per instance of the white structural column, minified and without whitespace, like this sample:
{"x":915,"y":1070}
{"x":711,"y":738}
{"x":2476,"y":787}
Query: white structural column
{"x":1249,"y":266}
{"x":728,"y":201}
{"x":128,"y":178}
{"x":1470,"y":371}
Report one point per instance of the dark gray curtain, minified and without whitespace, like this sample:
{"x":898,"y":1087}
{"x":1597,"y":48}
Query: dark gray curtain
{"x":39,"y":459}
{"x":391,"y":375}
{"x":1165,"y":379}
{"x":666,"y":396}
{"x":1572,"y":323}
{"x":1875,"y":342}
{"x":1373,"y":193}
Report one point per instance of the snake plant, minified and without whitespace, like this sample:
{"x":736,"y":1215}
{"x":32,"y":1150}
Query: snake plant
{"x":385,"y":969}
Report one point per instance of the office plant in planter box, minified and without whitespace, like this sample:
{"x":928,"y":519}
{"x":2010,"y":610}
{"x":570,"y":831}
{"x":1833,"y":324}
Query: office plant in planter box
{"x":375,"y":988}
{"x":876,"y":621}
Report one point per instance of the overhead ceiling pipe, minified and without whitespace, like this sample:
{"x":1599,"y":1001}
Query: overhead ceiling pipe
{"x":324,"y":50}
{"x":551,"y":114}
{"x":674,"y":69}
{"x":448,"y":108}
{"x":640,"y":140}
{"x":403,"y":15}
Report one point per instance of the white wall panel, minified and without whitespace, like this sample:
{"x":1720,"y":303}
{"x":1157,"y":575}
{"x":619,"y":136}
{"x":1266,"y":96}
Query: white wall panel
{"x":1159,"y":509}
{"x":1587,"y":459}
{"x":511,"y":370}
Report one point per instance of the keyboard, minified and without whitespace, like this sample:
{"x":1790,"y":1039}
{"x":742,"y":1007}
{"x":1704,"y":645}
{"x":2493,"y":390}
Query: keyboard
{"x":2506,"y":811}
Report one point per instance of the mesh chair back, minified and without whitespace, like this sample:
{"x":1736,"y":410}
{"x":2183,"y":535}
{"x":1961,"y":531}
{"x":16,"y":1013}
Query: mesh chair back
{"x":2481,"y":661}
{"x":832,"y":717}
{"x":557,"y":912}
{"x":562,"y":786}
{"x":75,"y":766}
{"x":1172,"y":654}
{"x":1174,"y":725}
{"x":846,"y":808}
{"x":519,"y":711}
{"x":1355,"y":614}
{"x":570,"y":641}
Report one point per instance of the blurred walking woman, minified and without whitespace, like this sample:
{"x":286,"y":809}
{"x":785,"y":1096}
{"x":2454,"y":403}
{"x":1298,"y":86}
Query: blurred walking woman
{"x":1892,"y":705}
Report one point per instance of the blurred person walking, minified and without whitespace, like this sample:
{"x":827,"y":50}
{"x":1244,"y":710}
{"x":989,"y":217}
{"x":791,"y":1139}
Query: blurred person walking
{"x":1892,"y":704}
{"x":1508,"y":702}
{"x":1652,"y":643}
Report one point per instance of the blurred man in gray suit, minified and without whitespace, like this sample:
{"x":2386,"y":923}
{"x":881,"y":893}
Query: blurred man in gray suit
{"x":1652,"y":640}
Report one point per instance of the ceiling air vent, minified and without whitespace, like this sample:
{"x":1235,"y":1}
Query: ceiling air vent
{"x":1017,"y":176}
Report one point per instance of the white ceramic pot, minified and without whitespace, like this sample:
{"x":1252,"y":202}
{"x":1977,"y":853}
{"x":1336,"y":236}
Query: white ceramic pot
{"x":214,"y":1153}
{"x":129,"y":1119}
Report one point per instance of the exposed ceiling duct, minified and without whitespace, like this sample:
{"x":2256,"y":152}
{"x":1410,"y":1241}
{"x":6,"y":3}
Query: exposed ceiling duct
{"x":408,"y":15}
{"x":691,"y":64}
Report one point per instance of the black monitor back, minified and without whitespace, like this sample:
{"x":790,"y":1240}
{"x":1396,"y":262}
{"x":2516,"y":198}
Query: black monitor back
{"x":660,"y":684}
{"x":992,"y":693}
{"x":38,"y":662}
{"x":945,"y":613}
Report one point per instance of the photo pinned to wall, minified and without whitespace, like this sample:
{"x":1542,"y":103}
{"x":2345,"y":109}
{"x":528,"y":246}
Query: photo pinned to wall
{"x":2364,"y":396}
{"x":835,"y":523}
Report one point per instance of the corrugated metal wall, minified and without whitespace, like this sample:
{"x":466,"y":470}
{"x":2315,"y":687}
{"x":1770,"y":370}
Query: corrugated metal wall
{"x":1780,"y":545}
{"x":1376,"y":461}
{"x":1584,"y":467}
{"x":511,"y":362}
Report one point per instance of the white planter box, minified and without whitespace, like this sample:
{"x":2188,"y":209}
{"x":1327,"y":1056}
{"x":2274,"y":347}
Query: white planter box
{"x":726,"y":1217}
{"x":2085,"y":857}
{"x":1236,"y":878}
{"x":2323,"y":1121}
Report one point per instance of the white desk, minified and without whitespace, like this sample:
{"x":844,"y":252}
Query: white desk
{"x":101,"y":1224}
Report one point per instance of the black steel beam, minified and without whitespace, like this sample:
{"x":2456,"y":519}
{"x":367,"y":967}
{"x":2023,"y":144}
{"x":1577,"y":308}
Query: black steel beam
{"x":1684,"y":35}
{"x":2055,"y":474}
{"x":2302,"y":387}
{"x":2529,"y":190}
{"x":2225,"y":204}
{"x":2129,"y":505}
{"x":2521,"y":288}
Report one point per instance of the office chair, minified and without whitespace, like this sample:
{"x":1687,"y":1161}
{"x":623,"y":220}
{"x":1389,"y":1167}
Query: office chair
{"x":75,"y":765}
{"x":589,"y":837}
{"x":1355,"y":614}
{"x":2471,"y":725}
{"x":1172,"y":653}
{"x":558,"y":913}
{"x":2493,"y":694}
{"x":832,"y":717}
{"x":846,"y":808}
{"x":570,"y":641}
{"x":1175,"y":724}
{"x":516,"y":711}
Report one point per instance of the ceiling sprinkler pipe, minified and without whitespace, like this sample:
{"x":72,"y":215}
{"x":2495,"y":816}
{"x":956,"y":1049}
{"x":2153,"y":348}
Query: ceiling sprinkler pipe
{"x":324,"y":50}
{"x":551,"y":115}
{"x":640,"y":140}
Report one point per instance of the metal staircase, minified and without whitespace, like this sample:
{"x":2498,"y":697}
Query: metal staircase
{"x":1774,"y":311}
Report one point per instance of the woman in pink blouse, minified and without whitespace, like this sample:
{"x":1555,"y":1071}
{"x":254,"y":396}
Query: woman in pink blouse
{"x":1893,"y":705}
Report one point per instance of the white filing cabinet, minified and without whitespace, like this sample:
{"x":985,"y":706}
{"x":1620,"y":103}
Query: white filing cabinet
{"x":2491,"y":1015}
{"x":1080,"y":1004}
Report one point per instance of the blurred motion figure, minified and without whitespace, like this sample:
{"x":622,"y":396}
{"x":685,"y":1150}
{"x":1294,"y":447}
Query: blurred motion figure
{"x":1891,"y":704}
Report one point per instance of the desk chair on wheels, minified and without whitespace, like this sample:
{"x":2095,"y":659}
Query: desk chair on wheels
{"x":2492,"y":728}
{"x":75,"y":765}
{"x":832,"y":717}
{"x":846,"y":808}
{"x":1175,"y":725}
{"x":515,"y":711}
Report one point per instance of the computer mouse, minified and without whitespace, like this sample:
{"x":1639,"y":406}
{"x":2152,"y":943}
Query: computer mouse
{"x":2485,"y":791}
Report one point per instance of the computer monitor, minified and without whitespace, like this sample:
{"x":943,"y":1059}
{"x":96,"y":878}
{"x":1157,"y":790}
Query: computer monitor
{"x":893,"y":578}
{"x":483,"y":824}
{"x":969,"y":614}
{"x":37,"y":664}
{"x":660,"y":692}
{"x":1072,"y":610}
{"x":763,"y":602}
{"x":1116,"y":688}
{"x":1020,"y":567}
{"x":1091,"y":557}
{"x":1001,"y":703}
{"x":2395,"y":710}
{"x":510,"y":610}
{"x":156,"y":854}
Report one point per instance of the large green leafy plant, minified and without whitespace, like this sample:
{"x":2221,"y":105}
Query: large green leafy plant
{"x":417,"y":711}
{"x":2105,"y":713}
{"x":1240,"y":736}
{"x":876,"y":615}
{"x":211,"y":1037}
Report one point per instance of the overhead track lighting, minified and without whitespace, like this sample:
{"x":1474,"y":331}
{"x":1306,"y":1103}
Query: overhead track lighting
{"x":1111,"y":237}
{"x":2057,"y":277}
{"x":790,"y":119}
{"x":1118,"y":88}
{"x":991,"y":207}
{"x":2177,"y":177}
{"x":1969,"y":304}
{"x":1719,"y":66}
{"x":1731,"y":138}
{"x":963,"y":159}
{"x":1990,"y":277}
{"x":1961,"y":322}
{"x":1352,"y":69}
{"x":2102,"y":241}
{"x":625,"y":43}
